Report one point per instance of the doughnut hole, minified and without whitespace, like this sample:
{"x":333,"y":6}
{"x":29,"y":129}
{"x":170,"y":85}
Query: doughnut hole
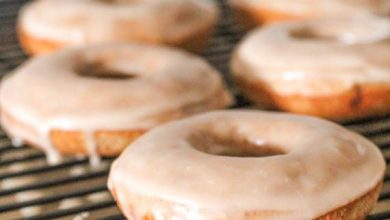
{"x":232,"y":145}
{"x":307,"y":33}
{"x":99,"y":70}
{"x":344,"y":31}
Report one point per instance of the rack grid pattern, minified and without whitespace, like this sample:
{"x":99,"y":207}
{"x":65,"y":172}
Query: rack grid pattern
{"x":31,"y":189}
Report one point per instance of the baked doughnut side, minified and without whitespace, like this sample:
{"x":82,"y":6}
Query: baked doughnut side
{"x":35,"y":46}
{"x":360,"y":101}
{"x":108,"y":143}
{"x":355,"y":210}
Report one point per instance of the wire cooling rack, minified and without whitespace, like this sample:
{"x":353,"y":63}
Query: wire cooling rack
{"x":30,"y":189}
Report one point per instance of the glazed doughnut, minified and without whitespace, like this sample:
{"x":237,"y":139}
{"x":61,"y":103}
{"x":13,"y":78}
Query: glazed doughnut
{"x":333,"y":68}
{"x":245,"y":165}
{"x":96,"y":100}
{"x":47,"y":25}
{"x":256,"y":12}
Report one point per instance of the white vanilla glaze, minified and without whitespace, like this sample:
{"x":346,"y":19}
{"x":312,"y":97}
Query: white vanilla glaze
{"x":319,"y":8}
{"x":324,"y":168}
{"x":46,"y":93}
{"x":79,"y":22}
{"x":343,"y":52}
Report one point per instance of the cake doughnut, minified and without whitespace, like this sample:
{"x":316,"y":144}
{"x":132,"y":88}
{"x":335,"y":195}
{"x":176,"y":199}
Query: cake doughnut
{"x":248,"y":165}
{"x":333,"y":68}
{"x":251,"y":13}
{"x":96,"y":100}
{"x":48,"y":25}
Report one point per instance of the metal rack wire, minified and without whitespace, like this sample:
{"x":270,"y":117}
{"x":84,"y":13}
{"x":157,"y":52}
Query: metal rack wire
{"x":30,"y":189}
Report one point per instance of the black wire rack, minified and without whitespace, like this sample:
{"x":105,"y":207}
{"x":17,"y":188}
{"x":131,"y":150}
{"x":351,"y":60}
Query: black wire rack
{"x":31,"y":189}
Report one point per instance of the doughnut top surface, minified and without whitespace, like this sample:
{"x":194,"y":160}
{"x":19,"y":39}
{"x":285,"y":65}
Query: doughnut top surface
{"x":223,"y":164}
